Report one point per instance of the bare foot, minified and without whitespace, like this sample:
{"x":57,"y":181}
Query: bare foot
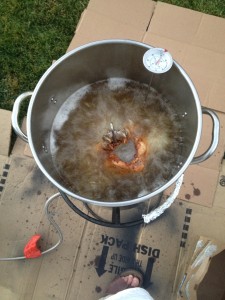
{"x":122,"y":283}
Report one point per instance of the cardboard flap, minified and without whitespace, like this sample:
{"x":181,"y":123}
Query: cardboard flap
{"x":104,"y":28}
{"x":194,"y":40}
{"x":210,"y":34}
{"x":205,"y":68}
{"x":174,"y":22}
{"x":134,"y":13}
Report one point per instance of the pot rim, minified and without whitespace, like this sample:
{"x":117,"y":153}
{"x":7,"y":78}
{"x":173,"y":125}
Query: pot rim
{"x":124,"y":202}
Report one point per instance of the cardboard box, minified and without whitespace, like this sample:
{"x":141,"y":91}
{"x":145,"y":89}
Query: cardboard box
{"x":91,"y":255}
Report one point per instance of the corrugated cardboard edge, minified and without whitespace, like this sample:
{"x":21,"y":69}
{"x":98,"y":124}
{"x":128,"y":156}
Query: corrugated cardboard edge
{"x":6,"y":130}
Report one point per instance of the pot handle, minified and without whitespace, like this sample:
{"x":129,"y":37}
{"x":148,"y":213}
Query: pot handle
{"x":215,"y":136}
{"x":15,"y":114}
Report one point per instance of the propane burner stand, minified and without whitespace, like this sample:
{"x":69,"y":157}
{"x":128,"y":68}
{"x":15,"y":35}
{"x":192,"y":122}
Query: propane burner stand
{"x":98,"y":220}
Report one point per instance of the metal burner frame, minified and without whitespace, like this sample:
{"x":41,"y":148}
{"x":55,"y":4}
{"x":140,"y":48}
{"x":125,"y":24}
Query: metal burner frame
{"x":116,"y":223}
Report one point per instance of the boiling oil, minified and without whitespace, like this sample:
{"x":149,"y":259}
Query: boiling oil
{"x":84,"y":119}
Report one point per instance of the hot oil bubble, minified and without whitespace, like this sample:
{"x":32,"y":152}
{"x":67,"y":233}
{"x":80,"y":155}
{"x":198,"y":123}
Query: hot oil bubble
{"x":81,"y":123}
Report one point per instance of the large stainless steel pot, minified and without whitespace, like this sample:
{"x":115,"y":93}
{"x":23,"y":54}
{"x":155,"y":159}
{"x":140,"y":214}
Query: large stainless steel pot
{"x":98,"y":61}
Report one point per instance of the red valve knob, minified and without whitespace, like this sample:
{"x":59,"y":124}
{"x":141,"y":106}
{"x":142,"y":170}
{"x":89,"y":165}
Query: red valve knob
{"x":31,"y":249}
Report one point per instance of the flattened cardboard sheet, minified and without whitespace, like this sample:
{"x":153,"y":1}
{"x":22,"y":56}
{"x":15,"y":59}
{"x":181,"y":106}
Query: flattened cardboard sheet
{"x":174,"y":22}
{"x":127,"y":19}
{"x":199,"y":185}
{"x":21,"y":216}
{"x":134,"y":13}
{"x":90,"y":254}
{"x":105,"y":28}
{"x":205,"y":69}
{"x":106,"y":252}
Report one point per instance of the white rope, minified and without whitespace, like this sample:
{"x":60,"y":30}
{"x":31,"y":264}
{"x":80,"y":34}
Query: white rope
{"x":160,"y":210}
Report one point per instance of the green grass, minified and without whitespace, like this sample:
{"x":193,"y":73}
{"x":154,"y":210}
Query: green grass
{"x":32,"y":34}
{"x":35,"y":32}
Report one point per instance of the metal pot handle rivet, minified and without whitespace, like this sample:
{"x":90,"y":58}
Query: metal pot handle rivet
{"x":15,"y":114}
{"x":215,"y":137}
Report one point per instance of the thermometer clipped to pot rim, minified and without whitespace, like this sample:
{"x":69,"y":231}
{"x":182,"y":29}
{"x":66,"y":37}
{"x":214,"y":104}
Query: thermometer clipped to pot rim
{"x":157,"y":60}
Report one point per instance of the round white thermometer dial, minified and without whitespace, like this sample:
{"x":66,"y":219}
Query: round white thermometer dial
{"x":157,"y":60}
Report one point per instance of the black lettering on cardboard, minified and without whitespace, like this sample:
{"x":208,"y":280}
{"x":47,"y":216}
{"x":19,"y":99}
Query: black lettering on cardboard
{"x":124,"y":259}
{"x":114,"y":256}
{"x":112,"y":239}
{"x":155,"y":253}
{"x":150,"y":251}
{"x":144,"y":249}
{"x":104,"y":239}
{"x":137,"y":248}
{"x":119,"y":243}
{"x":110,"y":268}
{"x":115,"y":269}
